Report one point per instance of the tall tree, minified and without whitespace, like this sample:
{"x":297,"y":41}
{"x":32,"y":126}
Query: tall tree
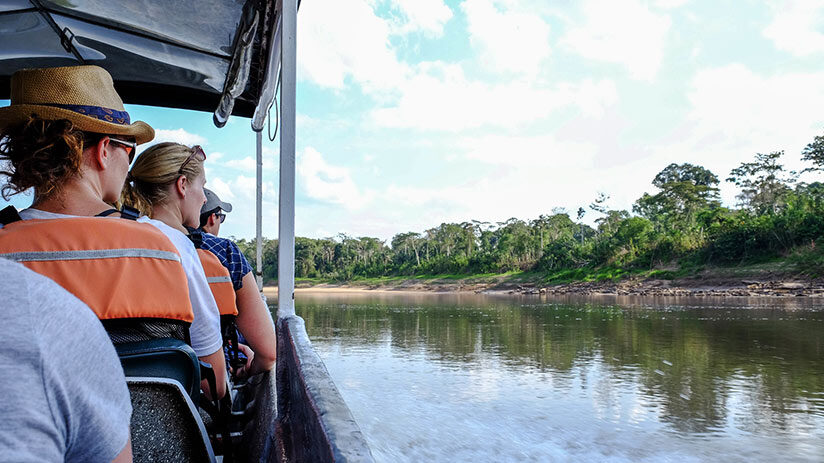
{"x":763,"y":182}
{"x":581,"y":213}
{"x":814,"y":152}
{"x":600,"y":206}
{"x":685,"y":189}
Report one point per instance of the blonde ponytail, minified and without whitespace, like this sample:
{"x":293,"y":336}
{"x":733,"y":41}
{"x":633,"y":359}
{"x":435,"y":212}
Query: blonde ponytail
{"x":154,"y":171}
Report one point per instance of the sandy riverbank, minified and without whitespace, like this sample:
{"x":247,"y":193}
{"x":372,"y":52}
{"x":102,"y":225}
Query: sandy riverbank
{"x":700,"y":287}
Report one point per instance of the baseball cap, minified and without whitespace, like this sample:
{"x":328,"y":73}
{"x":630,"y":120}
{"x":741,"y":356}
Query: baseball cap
{"x":213,"y":202}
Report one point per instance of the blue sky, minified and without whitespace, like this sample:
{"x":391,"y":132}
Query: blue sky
{"x":417,"y":112}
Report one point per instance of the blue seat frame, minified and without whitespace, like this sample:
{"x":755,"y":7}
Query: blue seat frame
{"x":164,"y":358}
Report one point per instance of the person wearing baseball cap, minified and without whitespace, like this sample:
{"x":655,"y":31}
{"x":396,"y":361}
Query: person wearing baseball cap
{"x":213,"y":212}
{"x":253,"y":320}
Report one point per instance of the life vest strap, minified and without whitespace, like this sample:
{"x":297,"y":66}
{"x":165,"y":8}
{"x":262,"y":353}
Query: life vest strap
{"x":127,"y":212}
{"x":9,"y":215}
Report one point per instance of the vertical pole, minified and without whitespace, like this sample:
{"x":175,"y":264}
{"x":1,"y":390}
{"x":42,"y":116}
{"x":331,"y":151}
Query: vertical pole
{"x":259,"y":212}
{"x":286,"y":211}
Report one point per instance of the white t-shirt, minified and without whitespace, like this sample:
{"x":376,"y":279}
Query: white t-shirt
{"x":205,"y":329}
{"x":64,"y":395}
{"x":206,"y":325}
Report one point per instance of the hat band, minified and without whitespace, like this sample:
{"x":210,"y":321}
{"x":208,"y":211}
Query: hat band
{"x":98,"y":112}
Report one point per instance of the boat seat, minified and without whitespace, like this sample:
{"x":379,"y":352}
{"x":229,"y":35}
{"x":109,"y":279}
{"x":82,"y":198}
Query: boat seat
{"x":162,"y":358}
{"x":165,"y":425}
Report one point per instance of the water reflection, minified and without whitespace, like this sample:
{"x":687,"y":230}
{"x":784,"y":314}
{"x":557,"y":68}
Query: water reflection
{"x":716,"y":371}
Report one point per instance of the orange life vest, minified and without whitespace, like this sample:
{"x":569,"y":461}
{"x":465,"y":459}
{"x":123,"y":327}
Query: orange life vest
{"x":119,"y":268}
{"x":220,"y":282}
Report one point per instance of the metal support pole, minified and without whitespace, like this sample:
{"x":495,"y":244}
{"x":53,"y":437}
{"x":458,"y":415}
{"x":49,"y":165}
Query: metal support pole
{"x":286,"y":211}
{"x":259,"y":212}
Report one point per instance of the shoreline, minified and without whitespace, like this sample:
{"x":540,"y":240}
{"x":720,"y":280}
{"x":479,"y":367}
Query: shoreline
{"x":781,"y":288}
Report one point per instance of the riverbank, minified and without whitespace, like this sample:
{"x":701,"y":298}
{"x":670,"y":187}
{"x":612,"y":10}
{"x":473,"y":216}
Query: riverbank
{"x":709,"y":284}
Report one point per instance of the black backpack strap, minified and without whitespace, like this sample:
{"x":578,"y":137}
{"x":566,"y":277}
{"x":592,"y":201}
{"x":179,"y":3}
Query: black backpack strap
{"x":228,"y":327}
{"x":107,"y":213}
{"x":127,"y":212}
{"x":196,"y":236}
{"x":9,"y":215}
{"x":130,"y":213}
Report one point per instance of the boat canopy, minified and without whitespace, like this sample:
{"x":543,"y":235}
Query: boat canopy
{"x":207,"y":55}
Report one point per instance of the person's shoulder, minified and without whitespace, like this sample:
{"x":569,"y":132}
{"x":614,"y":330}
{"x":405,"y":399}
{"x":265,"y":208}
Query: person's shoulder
{"x":32,"y":213}
{"x":219,"y":245}
{"x":177,"y":237}
{"x":50,"y":307}
{"x":215,"y":239}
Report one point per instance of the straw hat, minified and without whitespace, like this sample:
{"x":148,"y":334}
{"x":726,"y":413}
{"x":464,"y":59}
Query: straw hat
{"x":84,"y":95}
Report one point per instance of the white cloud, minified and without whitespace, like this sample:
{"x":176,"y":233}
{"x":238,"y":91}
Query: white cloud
{"x":620,"y":31}
{"x":797,"y":27}
{"x":328,"y":183}
{"x":426,"y":16}
{"x":221,"y":188}
{"x":440,"y":97}
{"x":246,"y":163}
{"x":249,"y":164}
{"x":523,"y":191}
{"x":736,"y":103}
{"x":304,"y":122}
{"x":241,"y":192}
{"x":345,"y":39}
{"x":736,"y":113}
{"x":509,"y":41}
{"x":178,"y":136}
{"x":670,"y":4}
{"x":529,"y":152}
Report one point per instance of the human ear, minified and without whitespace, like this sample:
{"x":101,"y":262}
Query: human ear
{"x":98,"y":155}
{"x":181,"y":184}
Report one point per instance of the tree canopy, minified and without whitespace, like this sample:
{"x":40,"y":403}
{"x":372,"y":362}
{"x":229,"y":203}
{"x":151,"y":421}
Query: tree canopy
{"x":682,"y":220}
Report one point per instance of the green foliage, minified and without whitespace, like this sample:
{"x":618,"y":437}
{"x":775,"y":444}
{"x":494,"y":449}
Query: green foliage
{"x":814,"y":152}
{"x":763,"y":183}
{"x":677,"y":231}
{"x":685,"y":190}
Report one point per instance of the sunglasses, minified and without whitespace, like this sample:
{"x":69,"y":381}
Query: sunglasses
{"x":221,"y":216}
{"x":195,"y":151}
{"x":129,"y":146}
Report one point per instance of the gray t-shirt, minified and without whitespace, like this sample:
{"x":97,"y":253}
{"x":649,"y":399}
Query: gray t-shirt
{"x":63,"y":396}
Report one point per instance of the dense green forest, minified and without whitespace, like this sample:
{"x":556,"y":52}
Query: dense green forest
{"x":678,"y":229}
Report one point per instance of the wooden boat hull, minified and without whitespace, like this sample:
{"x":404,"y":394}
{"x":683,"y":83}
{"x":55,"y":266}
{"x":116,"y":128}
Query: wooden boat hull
{"x":298,"y":414}
{"x":313,"y":422}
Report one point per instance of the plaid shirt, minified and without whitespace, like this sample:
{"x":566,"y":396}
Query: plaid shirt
{"x":229,"y":255}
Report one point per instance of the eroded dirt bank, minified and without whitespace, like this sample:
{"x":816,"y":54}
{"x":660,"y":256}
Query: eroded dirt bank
{"x":693,"y":287}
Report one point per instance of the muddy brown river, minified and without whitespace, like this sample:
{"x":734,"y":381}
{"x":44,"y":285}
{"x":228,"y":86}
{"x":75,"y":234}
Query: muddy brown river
{"x":473,"y":378}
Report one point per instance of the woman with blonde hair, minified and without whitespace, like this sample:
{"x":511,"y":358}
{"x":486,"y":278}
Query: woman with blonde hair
{"x":165,"y":185}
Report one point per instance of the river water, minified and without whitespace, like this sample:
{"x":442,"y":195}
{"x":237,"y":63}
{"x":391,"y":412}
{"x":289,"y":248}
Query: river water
{"x":473,"y":378}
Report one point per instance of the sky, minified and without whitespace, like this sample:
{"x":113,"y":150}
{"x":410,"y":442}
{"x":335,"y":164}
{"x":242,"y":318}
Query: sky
{"x":411,"y":113}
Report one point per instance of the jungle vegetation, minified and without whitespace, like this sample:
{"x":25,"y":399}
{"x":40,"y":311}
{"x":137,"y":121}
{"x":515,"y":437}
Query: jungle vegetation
{"x":675,"y":230}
